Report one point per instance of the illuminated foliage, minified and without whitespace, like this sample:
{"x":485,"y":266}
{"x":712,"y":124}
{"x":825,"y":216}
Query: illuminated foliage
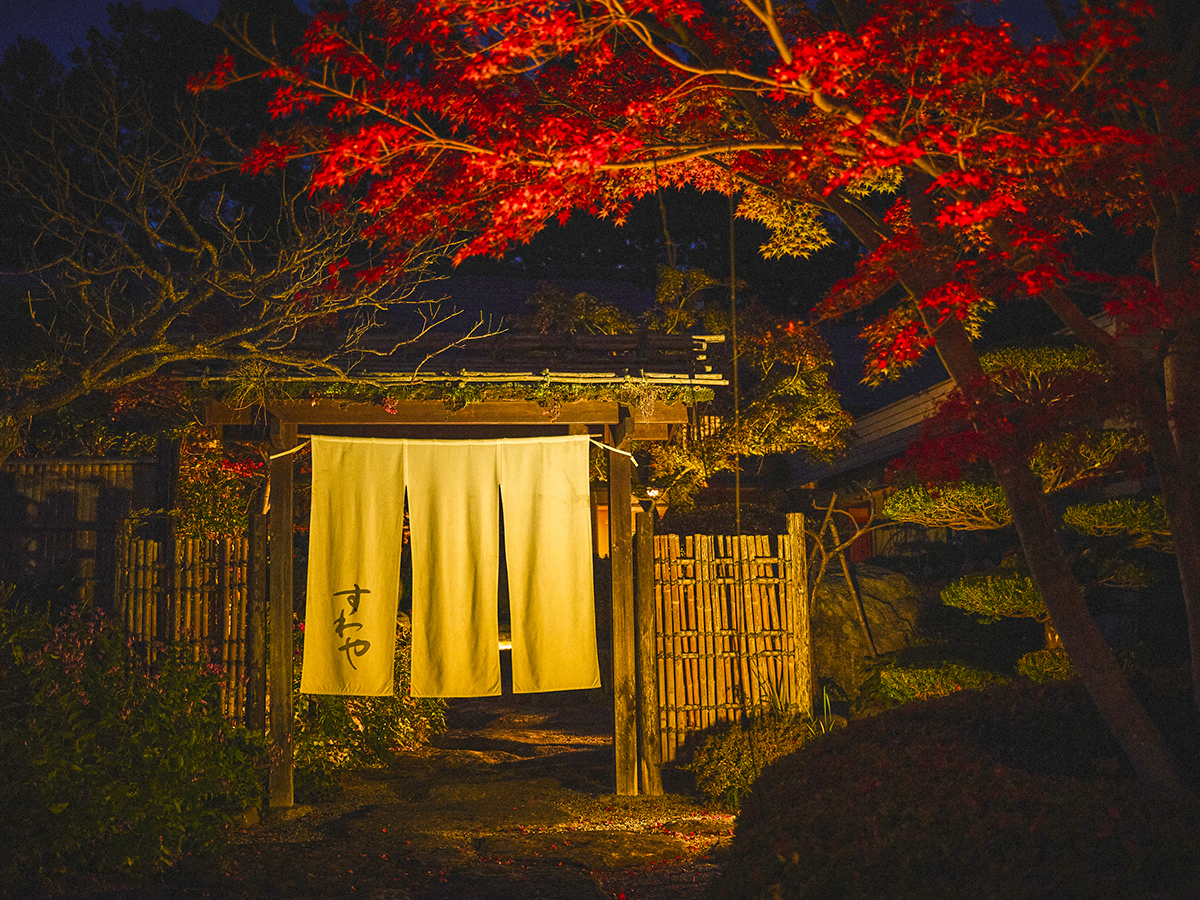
{"x":483,"y":119}
{"x":1144,"y":519}
{"x":992,"y":596}
{"x":962,"y":506}
{"x":786,"y":403}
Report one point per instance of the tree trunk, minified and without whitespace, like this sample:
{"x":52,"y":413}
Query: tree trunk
{"x":1170,"y":449}
{"x":1090,"y":654}
{"x":1178,"y":459}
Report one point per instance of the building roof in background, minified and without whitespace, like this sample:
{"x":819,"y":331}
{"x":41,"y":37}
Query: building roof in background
{"x":883,"y":433}
{"x":879,"y":436}
{"x":502,"y":299}
{"x":474,"y":341}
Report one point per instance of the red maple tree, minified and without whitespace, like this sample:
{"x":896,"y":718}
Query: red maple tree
{"x":963,"y":160}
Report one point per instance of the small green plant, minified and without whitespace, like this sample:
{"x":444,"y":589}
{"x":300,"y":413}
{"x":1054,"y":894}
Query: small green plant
{"x":732,"y":757}
{"x":111,"y":764}
{"x":335,"y":733}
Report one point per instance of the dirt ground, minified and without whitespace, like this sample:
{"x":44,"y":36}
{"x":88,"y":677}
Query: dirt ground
{"x":515,"y":802}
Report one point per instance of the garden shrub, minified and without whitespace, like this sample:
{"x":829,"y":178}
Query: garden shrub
{"x":899,"y":683}
{"x":731,"y":757}
{"x":334,"y":733}
{"x":112,"y":764}
{"x":1007,"y":794}
{"x":1046,"y":665}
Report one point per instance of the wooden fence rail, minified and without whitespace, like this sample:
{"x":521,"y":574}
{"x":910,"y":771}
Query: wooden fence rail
{"x":733,"y":629}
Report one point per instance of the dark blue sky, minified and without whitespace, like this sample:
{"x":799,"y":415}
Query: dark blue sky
{"x":61,"y":24}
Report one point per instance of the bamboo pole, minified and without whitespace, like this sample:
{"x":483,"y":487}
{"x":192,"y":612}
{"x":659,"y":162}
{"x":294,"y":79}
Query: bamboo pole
{"x":243,"y":608}
{"x":137,"y":612}
{"x":753,"y":617}
{"x":799,"y":603}
{"x":702,"y":686}
{"x":256,"y":617}
{"x":646,"y":664}
{"x":667,"y":552}
{"x":228,"y":624}
{"x":678,"y":724}
{"x":719,"y":629}
{"x":769,"y":654}
{"x":151,"y":592}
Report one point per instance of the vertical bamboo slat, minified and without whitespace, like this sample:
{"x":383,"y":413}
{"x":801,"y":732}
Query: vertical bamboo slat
{"x":687,"y":598}
{"x":243,"y":601}
{"x":718,"y":627}
{"x":800,"y":604}
{"x":703,"y":688}
{"x":670,"y":665}
{"x":226,"y":620}
{"x":733,"y":618}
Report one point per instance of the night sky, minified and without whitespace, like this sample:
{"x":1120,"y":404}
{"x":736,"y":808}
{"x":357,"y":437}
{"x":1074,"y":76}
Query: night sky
{"x":63,"y":24}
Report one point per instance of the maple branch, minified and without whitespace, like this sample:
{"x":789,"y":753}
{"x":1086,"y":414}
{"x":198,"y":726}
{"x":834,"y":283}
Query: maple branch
{"x":766,"y":15}
{"x":1082,"y":79}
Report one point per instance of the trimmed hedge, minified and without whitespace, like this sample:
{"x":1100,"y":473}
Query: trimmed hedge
{"x":732,"y":756}
{"x":1012,"y":793}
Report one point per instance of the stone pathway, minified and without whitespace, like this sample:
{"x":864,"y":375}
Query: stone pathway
{"x":514,"y":802}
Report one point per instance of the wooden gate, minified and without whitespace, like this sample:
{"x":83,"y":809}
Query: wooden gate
{"x":733,"y":629}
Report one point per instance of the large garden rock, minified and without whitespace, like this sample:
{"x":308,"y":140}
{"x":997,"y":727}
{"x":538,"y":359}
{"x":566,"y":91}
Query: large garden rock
{"x":841,"y":649}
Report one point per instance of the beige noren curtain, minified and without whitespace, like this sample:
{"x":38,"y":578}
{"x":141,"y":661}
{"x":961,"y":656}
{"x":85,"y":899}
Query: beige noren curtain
{"x":454,"y":494}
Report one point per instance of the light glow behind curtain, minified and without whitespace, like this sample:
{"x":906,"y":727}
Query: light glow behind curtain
{"x":356,"y":535}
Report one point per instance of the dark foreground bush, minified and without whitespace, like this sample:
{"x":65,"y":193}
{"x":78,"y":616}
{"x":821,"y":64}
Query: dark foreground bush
{"x":1012,"y":793}
{"x":110,"y":764}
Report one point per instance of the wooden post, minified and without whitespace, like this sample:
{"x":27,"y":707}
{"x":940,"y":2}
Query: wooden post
{"x":279,"y":616}
{"x":256,"y":616}
{"x":122,"y":587}
{"x":620,"y":494}
{"x":649,"y":738}
{"x":166,"y":601}
{"x":796,"y":562}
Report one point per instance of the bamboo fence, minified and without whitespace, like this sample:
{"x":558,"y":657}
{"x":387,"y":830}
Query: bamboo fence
{"x":58,"y":518}
{"x":200,"y":600}
{"x":733,"y":630}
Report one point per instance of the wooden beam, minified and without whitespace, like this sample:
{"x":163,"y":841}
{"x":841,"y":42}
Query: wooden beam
{"x":256,"y":617}
{"x":796,"y":564}
{"x":435,"y":412}
{"x":620,"y":497}
{"x":279,"y":621}
{"x":649,"y":738}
